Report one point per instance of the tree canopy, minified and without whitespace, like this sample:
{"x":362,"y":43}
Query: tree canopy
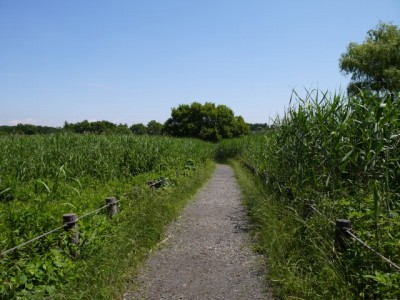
{"x":208,"y":122}
{"x":97,"y":127}
{"x":154,"y":128}
{"x":375,"y":64}
{"x":28,"y":129}
{"x":138,"y":129}
{"x":259,"y":127}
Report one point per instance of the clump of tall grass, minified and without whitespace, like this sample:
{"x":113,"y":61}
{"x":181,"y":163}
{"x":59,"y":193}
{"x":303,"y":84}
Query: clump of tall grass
{"x":44,"y":177}
{"x":343,"y":153}
{"x":290,"y":245}
{"x":335,"y":143}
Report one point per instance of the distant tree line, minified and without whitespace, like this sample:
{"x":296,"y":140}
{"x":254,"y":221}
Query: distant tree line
{"x":207,"y":121}
{"x":85,"y":127}
{"x":28,"y":129}
{"x":259,"y":127}
{"x":97,"y":127}
{"x":152,"y":128}
{"x":106,"y":127}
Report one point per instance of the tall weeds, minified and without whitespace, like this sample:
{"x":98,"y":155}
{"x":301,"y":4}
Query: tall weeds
{"x":344,"y":155}
{"x":44,"y":177}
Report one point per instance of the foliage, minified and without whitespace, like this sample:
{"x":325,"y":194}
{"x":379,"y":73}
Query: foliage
{"x":375,"y":64}
{"x":343,"y":154}
{"x":141,"y":221}
{"x":138,"y":129}
{"x":154,"y":128}
{"x":259,"y":127}
{"x":96,"y":127}
{"x":44,"y":177}
{"x":208,"y":122}
{"x":28,"y":129}
{"x":291,"y":247}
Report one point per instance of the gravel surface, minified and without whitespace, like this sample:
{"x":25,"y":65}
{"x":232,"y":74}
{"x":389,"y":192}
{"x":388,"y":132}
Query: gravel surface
{"x":207,"y":252}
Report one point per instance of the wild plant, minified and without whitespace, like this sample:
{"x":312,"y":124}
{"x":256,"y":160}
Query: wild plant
{"x":342,"y":153}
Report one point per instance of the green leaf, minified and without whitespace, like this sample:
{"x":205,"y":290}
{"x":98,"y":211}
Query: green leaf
{"x":22,"y":279}
{"x":347,"y":155}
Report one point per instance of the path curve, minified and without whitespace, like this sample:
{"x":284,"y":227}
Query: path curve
{"x":207,"y":254}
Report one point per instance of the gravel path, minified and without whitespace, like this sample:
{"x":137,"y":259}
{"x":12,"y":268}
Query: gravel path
{"x":207,"y":254}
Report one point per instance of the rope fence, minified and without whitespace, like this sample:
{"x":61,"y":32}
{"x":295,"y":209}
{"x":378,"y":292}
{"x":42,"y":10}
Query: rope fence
{"x":354,"y":236}
{"x":33,"y":240}
{"x":342,"y":227}
{"x":70,"y":221}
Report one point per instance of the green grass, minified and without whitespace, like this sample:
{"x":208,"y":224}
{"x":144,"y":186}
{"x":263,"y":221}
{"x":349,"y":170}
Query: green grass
{"x":137,"y":229}
{"x":297,"y":267}
{"x":44,"y":177}
{"x":342,"y":154}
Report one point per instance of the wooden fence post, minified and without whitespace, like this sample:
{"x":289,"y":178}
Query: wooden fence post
{"x":341,"y":234}
{"x":71,"y":222}
{"x":112,"y":206}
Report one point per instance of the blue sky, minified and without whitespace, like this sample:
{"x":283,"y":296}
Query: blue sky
{"x":132,"y":61}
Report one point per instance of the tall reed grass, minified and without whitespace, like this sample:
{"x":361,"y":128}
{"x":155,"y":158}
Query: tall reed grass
{"x":344,"y":155}
{"x":44,"y":177}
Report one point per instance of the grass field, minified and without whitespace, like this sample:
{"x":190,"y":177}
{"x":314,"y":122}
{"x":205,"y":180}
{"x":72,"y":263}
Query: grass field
{"x":340,"y":154}
{"x":44,"y":177}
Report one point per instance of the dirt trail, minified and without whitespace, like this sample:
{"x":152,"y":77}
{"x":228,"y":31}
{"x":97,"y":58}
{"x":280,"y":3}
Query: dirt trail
{"x":207,"y":254}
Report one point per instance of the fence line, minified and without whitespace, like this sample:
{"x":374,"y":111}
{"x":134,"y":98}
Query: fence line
{"x":348,"y":231}
{"x":67,"y":224}
{"x":34,"y":239}
{"x":392,"y":264}
{"x":95,"y":211}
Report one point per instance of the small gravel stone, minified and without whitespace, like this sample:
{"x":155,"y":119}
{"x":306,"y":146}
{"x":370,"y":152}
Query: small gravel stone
{"x":208,"y":254}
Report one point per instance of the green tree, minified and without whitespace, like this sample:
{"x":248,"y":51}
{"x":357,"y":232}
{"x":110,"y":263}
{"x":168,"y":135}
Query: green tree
{"x":121,"y":129}
{"x":98,"y":127}
{"x":259,"y":127}
{"x":208,"y":122}
{"x":154,"y":128}
{"x":375,"y":64}
{"x":26,"y":129}
{"x":138,"y":129}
